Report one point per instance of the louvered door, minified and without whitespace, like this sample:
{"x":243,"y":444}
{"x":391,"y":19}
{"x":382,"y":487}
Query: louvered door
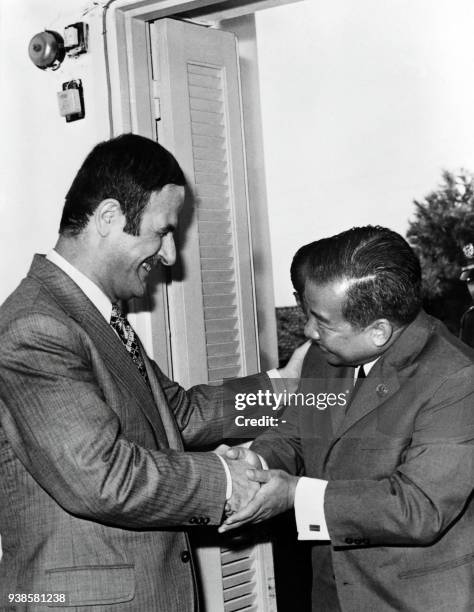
{"x":211,"y":298}
{"x":212,"y":175}
{"x":211,"y":301}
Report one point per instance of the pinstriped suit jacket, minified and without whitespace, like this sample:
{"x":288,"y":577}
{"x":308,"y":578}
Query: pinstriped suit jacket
{"x":95,"y":491}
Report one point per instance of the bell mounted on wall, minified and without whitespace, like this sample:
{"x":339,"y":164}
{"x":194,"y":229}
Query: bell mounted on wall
{"x":46,"y":50}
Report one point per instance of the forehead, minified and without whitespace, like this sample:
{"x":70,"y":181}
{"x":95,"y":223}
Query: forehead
{"x":326,"y":300}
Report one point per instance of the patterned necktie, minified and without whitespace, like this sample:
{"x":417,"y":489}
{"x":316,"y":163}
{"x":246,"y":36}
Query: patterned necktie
{"x":126,"y":334}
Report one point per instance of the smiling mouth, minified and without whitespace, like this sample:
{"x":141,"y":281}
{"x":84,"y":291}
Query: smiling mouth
{"x":149,"y":263}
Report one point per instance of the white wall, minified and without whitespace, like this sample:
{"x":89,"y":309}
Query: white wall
{"x":363,"y":104}
{"x":39,"y":151}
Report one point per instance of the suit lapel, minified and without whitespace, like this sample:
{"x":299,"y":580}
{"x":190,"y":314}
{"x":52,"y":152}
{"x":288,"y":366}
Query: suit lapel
{"x":387,"y":375}
{"x":169,"y":423}
{"x":381,"y":384}
{"x":81,"y":309}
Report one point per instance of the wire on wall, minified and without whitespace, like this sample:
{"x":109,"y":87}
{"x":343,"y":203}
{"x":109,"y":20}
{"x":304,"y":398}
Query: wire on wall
{"x":107,"y":68}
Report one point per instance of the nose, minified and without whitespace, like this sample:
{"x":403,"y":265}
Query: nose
{"x":311,"y":330}
{"x":167,"y":252}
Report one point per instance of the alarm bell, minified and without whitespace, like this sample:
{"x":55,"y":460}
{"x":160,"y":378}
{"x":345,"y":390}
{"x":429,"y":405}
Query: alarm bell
{"x":46,"y":50}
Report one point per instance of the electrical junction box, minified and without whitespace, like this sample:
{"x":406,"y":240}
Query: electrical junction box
{"x":71,"y":101}
{"x":75,"y":38}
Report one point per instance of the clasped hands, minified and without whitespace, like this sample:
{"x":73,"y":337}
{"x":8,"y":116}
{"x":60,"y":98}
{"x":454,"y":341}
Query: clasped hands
{"x":257,"y":494}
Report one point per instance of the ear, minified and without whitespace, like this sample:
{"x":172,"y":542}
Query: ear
{"x":381,"y":331}
{"x":107,"y":215}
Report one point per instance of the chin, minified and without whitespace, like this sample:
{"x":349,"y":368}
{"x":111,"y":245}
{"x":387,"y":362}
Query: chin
{"x":331,"y":358}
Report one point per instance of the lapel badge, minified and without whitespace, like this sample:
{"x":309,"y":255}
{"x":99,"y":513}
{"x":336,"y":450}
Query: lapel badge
{"x":381,"y":389}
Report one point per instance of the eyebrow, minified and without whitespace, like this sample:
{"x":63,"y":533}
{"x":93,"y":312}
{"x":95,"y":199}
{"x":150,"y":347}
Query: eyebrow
{"x":319,"y":316}
{"x":168,"y":228}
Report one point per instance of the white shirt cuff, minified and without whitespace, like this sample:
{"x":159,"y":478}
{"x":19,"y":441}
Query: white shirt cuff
{"x":309,"y":509}
{"x":228,"y":491}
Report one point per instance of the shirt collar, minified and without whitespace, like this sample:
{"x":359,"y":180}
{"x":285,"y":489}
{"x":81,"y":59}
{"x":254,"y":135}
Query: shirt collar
{"x":92,"y":291}
{"x":367,"y":368}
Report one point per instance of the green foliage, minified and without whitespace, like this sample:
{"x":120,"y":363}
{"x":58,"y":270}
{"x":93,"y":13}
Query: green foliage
{"x":443,"y":223}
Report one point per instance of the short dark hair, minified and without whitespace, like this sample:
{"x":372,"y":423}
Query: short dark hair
{"x":382,"y":269}
{"x":128,"y":168}
{"x":299,"y":265}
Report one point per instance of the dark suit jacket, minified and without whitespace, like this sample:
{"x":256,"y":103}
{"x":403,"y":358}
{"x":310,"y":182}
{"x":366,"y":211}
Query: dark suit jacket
{"x":95,"y":490}
{"x":467,"y":327}
{"x":399,"y":461}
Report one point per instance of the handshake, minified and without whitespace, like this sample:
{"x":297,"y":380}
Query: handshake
{"x":257,"y":494}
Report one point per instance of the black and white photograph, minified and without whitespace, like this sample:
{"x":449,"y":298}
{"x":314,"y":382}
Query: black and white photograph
{"x":237,"y":305}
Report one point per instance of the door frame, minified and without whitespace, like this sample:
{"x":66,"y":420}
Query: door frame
{"x":127,"y":56}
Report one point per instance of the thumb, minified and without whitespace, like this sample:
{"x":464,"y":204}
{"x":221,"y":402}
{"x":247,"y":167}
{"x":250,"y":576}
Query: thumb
{"x":221,"y":449}
{"x":259,"y":475}
{"x":235,"y":453}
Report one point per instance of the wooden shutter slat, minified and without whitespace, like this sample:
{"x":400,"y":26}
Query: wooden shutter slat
{"x":204,"y":93}
{"x":204,"y":129}
{"x":200,"y":69}
{"x":211,"y":288}
{"x":216,"y":178}
{"x":228,"y":348}
{"x":208,"y":239}
{"x":239,"y":578}
{"x":203,"y":80}
{"x":210,"y":106}
{"x":221,"y":374}
{"x":215,"y":363}
{"x":214,"y":325}
{"x":239,"y":591}
{"x":219,"y":276}
{"x":215,"y":301}
{"x":213,"y":191}
{"x":204,"y":165}
{"x":239,"y":604}
{"x":217,"y":142}
{"x":220,"y":337}
{"x":221,"y":216}
{"x":214,"y":264}
{"x":208,"y":154}
{"x":210,"y":118}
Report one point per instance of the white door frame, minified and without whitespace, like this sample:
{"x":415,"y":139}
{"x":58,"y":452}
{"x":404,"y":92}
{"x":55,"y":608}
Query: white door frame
{"x":126,"y":46}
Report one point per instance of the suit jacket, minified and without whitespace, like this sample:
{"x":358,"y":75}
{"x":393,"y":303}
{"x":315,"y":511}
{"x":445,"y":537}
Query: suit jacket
{"x":95,"y":491}
{"x":467,"y":327}
{"x":399,"y":461}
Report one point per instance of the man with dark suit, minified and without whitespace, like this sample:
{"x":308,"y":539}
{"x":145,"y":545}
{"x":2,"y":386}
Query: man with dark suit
{"x":381,"y":473}
{"x":96,"y":490}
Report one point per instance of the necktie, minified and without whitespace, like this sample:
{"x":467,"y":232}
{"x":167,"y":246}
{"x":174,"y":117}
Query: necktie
{"x":358,"y":381}
{"x":126,"y":334}
{"x":360,"y":375}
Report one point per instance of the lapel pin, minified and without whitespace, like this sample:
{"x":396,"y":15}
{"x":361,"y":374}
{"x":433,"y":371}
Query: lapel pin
{"x":381,"y":389}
